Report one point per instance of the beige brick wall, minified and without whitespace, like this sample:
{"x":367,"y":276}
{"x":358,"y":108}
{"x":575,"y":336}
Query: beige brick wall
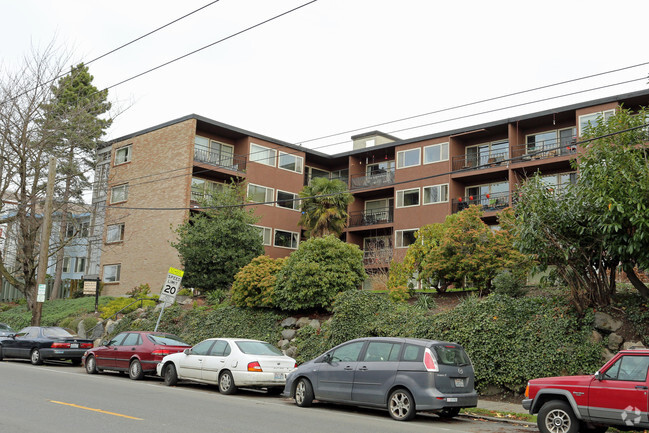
{"x":159,"y":176}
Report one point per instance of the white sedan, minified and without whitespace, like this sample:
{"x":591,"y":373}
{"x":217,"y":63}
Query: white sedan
{"x":230,"y":363}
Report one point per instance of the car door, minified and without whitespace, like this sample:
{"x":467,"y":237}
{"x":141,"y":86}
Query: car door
{"x":215,"y":361}
{"x":190,"y":364}
{"x":11,"y":346}
{"x":621,"y":392}
{"x":105,"y":357}
{"x":25,"y":341}
{"x":375,"y":372}
{"x":124,"y":351}
{"x":336,"y":375}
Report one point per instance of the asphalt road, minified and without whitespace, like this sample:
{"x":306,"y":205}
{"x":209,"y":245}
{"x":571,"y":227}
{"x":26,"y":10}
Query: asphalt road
{"x":61,"y":398}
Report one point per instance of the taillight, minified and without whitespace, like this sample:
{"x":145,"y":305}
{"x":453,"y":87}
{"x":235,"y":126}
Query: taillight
{"x":163,"y":352}
{"x":295,"y":366}
{"x":429,"y":361}
{"x":254,"y":366}
{"x":86,"y":345}
{"x":60,"y":345}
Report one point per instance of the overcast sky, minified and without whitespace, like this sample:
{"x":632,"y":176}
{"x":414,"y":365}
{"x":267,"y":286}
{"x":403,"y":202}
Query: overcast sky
{"x":338,"y":65}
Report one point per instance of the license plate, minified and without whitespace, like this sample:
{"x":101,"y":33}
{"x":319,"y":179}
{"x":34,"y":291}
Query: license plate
{"x":452,"y":400}
{"x":459,"y":383}
{"x":74,"y":345}
{"x":280,"y":376}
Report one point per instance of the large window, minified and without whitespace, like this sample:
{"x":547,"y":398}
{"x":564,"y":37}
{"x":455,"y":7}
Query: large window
{"x":123,"y":155}
{"x":487,"y":153}
{"x":260,"y":194}
{"x":408,"y":197}
{"x":288,"y":200}
{"x":593,"y":119}
{"x":436,"y":153}
{"x":111,"y":273}
{"x":290,"y":162}
{"x":265,"y":233}
{"x":560,"y":180}
{"x":286,"y":239}
{"x":80,"y":264}
{"x":262,"y":155}
{"x":66,"y":264}
{"x":119,"y":193}
{"x":115,"y":233}
{"x":204,"y":189}
{"x":78,"y":230}
{"x":408,"y":158}
{"x":213,"y":152}
{"x":436,"y":194}
{"x":404,"y":238}
{"x":379,"y":168}
{"x":557,"y":141}
{"x":477,"y":191}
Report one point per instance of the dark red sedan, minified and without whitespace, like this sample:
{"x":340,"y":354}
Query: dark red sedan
{"x":137,"y":352}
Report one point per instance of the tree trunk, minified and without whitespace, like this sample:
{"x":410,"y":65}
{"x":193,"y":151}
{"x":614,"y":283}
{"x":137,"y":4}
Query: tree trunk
{"x":637,"y":283}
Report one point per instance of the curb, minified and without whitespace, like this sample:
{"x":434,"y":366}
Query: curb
{"x":498,"y":419}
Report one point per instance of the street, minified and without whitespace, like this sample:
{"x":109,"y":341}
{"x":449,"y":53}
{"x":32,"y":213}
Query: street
{"x":63,"y":398}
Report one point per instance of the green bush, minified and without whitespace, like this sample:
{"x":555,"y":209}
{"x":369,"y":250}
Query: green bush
{"x":216,"y":297}
{"x":123,"y":306}
{"x":319,"y":269}
{"x":508,"y":284}
{"x":254,"y":284}
{"x":425,"y":302}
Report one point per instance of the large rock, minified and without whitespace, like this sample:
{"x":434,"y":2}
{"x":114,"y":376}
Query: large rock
{"x":605,"y":322}
{"x":315,"y":324}
{"x":607,"y":355}
{"x":81,"y":330}
{"x":631,"y":344}
{"x":291,"y":351}
{"x":614,"y":341}
{"x":283,"y":344}
{"x":302,"y":322}
{"x":97,"y":331}
{"x":288,"y":334}
{"x":595,"y":337}
{"x":289,"y":322}
{"x":110,"y":326}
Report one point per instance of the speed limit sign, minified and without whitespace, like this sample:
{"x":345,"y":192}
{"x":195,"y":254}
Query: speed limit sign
{"x":171,"y":286}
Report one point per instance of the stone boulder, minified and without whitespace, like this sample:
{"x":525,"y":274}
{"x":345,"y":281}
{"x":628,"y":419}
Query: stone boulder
{"x":315,"y":324}
{"x":302,"y":322}
{"x":630,"y":344}
{"x":605,"y":322}
{"x":595,"y":337}
{"x":289,"y":322}
{"x":614,"y":341}
{"x":288,"y":334}
{"x":291,"y":351}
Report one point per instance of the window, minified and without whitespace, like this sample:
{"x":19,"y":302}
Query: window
{"x":115,"y":233}
{"x":213,"y":152}
{"x":123,"y":155}
{"x":312,"y":172}
{"x":413,"y":353}
{"x":80,"y":230}
{"x":288,"y":200}
{"x":558,"y":141}
{"x":436,"y":194}
{"x":265,"y":233}
{"x":382,"y":351}
{"x":119,"y":193}
{"x":436,"y":153}
{"x":342,"y":175}
{"x":487,"y":153}
{"x":202,"y":348}
{"x":379,"y":168}
{"x":404,"y":238}
{"x":290,"y":162}
{"x":286,"y":239}
{"x":262,"y":155}
{"x":408,"y":197}
{"x":111,"y":273}
{"x":555,"y":182}
{"x":132,"y":339}
{"x":593,"y":119}
{"x":630,"y":367}
{"x":204,"y":189}
{"x":80,"y":264}
{"x":348,"y":352}
{"x":220,"y":348}
{"x":66,"y":264}
{"x":260,"y":194}
{"x":408,"y":158}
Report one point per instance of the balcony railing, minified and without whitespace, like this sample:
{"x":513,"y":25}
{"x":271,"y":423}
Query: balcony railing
{"x":488,"y":202}
{"x":377,"y":257}
{"x":486,"y":160}
{"x":230,"y":162}
{"x":544,"y":149}
{"x":373,"y":180}
{"x":371,"y":217}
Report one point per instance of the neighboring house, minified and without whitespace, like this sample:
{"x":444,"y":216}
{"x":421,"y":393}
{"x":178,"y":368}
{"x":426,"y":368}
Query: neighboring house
{"x":157,"y":174}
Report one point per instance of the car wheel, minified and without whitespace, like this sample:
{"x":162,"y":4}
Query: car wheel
{"x":170,"y":375}
{"x":449,"y":412}
{"x":557,"y":417}
{"x":226,"y":383}
{"x":304,"y":393}
{"x":401,"y":405}
{"x":91,"y":365}
{"x":35,"y":357}
{"x":135,"y":370}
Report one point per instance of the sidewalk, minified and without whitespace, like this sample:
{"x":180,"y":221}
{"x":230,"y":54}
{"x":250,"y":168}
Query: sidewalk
{"x":501,"y":406}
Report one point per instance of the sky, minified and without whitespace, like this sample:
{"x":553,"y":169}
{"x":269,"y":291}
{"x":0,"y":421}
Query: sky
{"x":336,"y":68}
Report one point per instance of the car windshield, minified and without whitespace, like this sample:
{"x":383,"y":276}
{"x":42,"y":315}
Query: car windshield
{"x":167,"y":340}
{"x":449,"y":354}
{"x":258,"y":348}
{"x":56,"y":332}
{"x":5,"y":329}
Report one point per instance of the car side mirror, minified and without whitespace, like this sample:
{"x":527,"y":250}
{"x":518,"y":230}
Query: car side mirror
{"x":327,"y":358}
{"x":598,"y":375}
{"x":187,"y":351}
{"x":11,"y":335}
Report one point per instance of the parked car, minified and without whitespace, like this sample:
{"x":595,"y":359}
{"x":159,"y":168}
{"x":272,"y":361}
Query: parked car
{"x":616,"y":395}
{"x":39,"y":343}
{"x":230,"y":363}
{"x":403,"y":375}
{"x":137,"y":352}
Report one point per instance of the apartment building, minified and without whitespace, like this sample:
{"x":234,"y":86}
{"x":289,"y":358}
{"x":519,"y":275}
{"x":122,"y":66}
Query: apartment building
{"x":155,"y":176}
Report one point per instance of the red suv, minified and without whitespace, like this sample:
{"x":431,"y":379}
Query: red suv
{"x":614,"y":396}
{"x":137,"y":352}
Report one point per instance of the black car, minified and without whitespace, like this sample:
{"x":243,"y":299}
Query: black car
{"x":39,"y":343}
{"x":5,"y":331}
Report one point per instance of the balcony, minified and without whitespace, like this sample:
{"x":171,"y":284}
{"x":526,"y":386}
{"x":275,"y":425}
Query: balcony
{"x":487,"y":202}
{"x":371,"y":217}
{"x":216,"y":159}
{"x":486,"y":160}
{"x":544,"y":149}
{"x":373,"y":180}
{"x":381,"y":257}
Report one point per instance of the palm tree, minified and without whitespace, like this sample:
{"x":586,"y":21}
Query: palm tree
{"x":324,"y":207}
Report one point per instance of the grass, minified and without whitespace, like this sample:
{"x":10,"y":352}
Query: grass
{"x":500,"y":414}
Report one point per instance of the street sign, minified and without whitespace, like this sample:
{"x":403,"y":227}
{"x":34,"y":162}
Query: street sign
{"x":41,"y":293}
{"x":171,"y":286}
{"x":90,"y":287}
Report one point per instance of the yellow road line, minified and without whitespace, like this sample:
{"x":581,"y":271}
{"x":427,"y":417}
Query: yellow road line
{"x":96,"y":410}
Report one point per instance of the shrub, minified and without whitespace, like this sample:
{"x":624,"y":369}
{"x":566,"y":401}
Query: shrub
{"x":425,"y":303}
{"x":508,"y":284}
{"x":216,"y":297}
{"x":123,"y":306}
{"x":254,"y":284}
{"x":319,"y":269}
{"x":185,"y":292}
{"x":399,"y":293}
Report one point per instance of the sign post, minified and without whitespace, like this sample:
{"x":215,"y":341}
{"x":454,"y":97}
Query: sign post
{"x":91,"y":287}
{"x":169,"y":291}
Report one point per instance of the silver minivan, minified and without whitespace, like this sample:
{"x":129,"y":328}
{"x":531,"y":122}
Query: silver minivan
{"x":403,"y":375}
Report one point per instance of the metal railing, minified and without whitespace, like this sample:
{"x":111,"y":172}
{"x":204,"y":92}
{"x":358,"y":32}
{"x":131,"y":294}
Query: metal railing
{"x":544,"y":149}
{"x":487,"y":202}
{"x":377,"y":257}
{"x":482,"y":160}
{"x":373,"y":180}
{"x":371,"y":217}
{"x":217,"y":159}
